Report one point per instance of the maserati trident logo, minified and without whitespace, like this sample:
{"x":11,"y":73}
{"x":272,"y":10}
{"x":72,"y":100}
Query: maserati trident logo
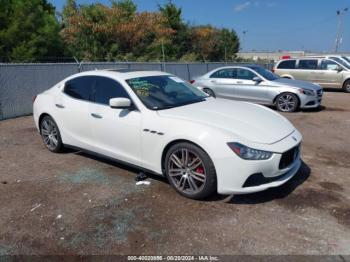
{"x":294,"y":138}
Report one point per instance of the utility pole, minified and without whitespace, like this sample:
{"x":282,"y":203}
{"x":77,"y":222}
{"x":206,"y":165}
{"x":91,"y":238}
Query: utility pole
{"x":244,"y":34}
{"x":225,"y":55}
{"x":340,"y":14}
{"x":163,"y":52}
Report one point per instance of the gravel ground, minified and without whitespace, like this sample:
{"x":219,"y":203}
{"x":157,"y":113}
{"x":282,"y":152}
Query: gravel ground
{"x":73,"y":203}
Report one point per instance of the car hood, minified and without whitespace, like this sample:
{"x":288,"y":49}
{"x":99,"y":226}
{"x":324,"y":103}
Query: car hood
{"x":253,"y":122}
{"x":296,"y":84}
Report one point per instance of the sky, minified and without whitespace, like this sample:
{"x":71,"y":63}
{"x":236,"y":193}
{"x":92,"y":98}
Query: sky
{"x":264,"y":25}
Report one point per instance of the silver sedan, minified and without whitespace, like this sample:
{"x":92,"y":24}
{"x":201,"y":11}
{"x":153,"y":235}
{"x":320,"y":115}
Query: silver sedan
{"x":254,"y":83}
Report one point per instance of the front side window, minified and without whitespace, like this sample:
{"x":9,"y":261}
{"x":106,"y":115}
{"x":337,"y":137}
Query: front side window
{"x":288,"y":64}
{"x":106,"y":88}
{"x":163,"y":92}
{"x":224,"y":73}
{"x":245,"y":74}
{"x":80,"y":87}
{"x":328,"y":65}
{"x":308,"y":64}
{"x":267,"y":74}
{"x":340,"y":61}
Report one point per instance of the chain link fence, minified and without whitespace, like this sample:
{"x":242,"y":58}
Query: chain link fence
{"x":20,"y":82}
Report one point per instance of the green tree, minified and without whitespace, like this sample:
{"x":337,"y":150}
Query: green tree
{"x":227,"y":45}
{"x":97,"y":32}
{"x":127,"y":7}
{"x":179,"y":43}
{"x":69,"y":10}
{"x":29,"y":31}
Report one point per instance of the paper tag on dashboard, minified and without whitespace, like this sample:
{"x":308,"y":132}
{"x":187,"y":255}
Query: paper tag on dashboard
{"x":176,"y":79}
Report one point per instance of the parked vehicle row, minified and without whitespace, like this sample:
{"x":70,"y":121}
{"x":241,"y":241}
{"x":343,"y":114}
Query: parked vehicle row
{"x":164,"y":125}
{"x":327,"y":71}
{"x":255,"y":84}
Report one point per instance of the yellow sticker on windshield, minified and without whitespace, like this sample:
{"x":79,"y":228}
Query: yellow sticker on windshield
{"x":142,"y":91}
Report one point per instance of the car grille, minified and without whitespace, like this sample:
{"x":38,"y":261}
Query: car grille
{"x":289,"y":157}
{"x":319,"y":93}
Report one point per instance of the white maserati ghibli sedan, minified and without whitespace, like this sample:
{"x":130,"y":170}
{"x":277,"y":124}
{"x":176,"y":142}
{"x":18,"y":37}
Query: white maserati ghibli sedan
{"x":161,"y":124}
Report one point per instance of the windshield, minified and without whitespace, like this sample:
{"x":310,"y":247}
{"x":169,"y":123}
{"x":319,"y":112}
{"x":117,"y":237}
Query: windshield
{"x":340,"y":61}
{"x":268,"y":75}
{"x":163,"y":92}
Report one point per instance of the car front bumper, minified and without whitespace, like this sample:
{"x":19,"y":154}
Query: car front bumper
{"x":234,"y":175}
{"x":311,"y":101}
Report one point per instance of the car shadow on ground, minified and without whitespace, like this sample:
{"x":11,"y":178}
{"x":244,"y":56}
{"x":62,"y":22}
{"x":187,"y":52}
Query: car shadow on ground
{"x":305,"y":110}
{"x":313,"y":110}
{"x":125,"y":167}
{"x":274,"y":193}
{"x":254,"y":198}
{"x":333,"y":90}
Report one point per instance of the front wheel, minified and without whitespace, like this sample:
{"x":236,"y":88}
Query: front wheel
{"x":346,"y":86}
{"x":287,"y":102}
{"x":190,"y":171}
{"x":51,"y":134}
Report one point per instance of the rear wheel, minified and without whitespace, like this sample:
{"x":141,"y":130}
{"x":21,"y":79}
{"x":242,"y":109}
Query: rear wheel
{"x":209,"y":92}
{"x":190,"y":171}
{"x":51,"y":134}
{"x":287,"y":102}
{"x":346,"y":86}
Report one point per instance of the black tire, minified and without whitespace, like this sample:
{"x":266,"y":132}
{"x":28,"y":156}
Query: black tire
{"x":209,"y":92}
{"x":346,"y":86}
{"x":203,"y":175}
{"x":50,"y":134}
{"x":287,"y":102}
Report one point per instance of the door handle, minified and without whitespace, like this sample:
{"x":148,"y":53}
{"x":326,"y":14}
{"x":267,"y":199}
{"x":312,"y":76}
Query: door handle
{"x":59,"y":106}
{"x":214,"y":81}
{"x":239,"y":82}
{"x":96,"y":116}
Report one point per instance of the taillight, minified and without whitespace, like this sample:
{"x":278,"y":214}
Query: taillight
{"x":33,"y":98}
{"x":192,"y":81}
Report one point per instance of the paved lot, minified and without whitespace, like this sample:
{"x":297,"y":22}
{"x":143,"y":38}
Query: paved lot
{"x":73,"y":203}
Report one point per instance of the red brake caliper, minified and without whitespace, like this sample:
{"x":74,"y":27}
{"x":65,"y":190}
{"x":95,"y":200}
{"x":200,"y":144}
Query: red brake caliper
{"x":200,"y":170}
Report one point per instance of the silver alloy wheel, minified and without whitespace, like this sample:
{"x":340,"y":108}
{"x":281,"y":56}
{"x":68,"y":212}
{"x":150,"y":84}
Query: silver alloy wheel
{"x":286,"y":103}
{"x":209,"y":92}
{"x":187,"y":171}
{"x":49,"y":133}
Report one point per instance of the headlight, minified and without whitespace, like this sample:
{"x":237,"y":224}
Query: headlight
{"x":248,"y":153}
{"x":307,"y":92}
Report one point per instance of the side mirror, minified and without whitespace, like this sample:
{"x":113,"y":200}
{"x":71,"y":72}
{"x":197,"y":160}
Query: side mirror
{"x":120,"y":102}
{"x":339,"y":68}
{"x":257,"y":80}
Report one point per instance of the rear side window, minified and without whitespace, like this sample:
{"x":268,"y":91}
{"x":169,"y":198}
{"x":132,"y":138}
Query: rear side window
{"x":80,"y":87}
{"x":245,"y":74}
{"x":288,"y":64}
{"x":106,"y":88}
{"x":308,"y":64}
{"x":224,"y":73}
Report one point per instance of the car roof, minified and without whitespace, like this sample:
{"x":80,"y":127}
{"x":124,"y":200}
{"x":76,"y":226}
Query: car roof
{"x":251,"y":66}
{"x":312,"y":57}
{"x":123,"y":74}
